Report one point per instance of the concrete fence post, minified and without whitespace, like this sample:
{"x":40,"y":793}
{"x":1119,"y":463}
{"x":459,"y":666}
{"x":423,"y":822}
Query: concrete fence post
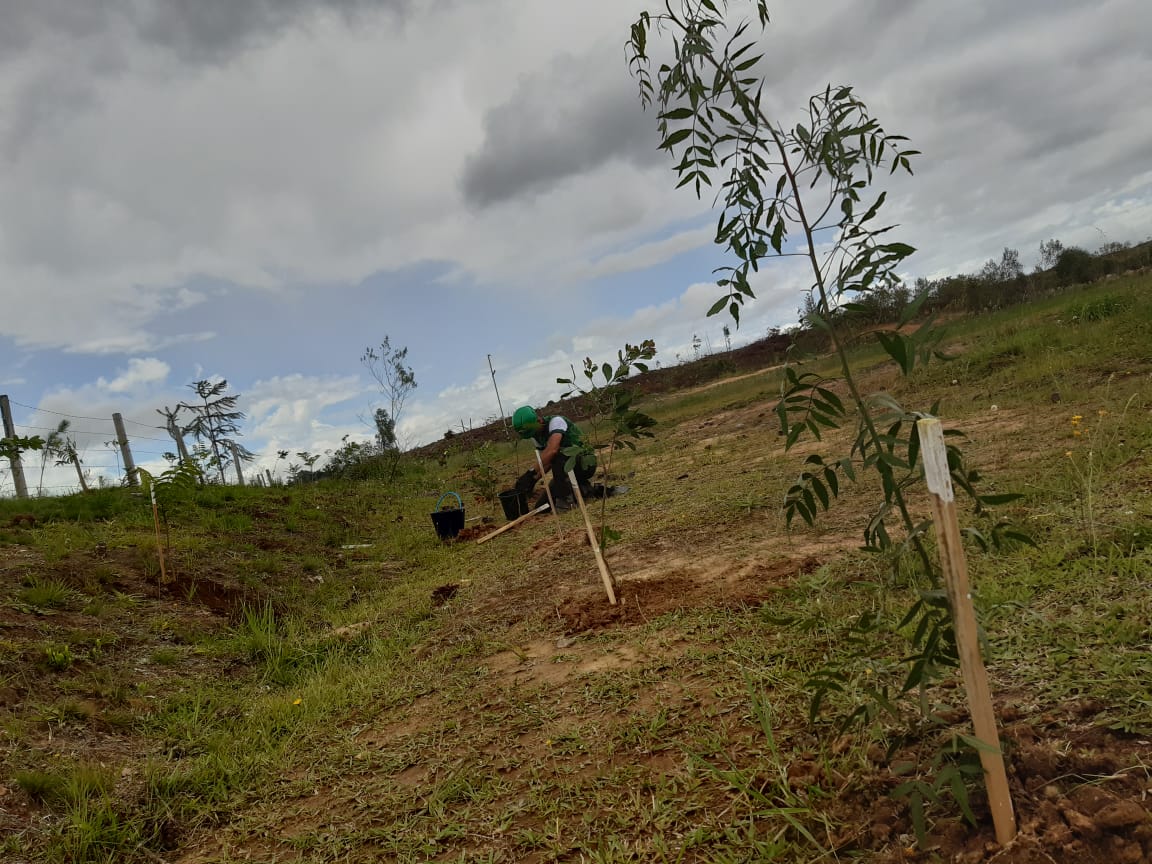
{"x":17,"y":465}
{"x":236,"y":462}
{"x":125,"y":451}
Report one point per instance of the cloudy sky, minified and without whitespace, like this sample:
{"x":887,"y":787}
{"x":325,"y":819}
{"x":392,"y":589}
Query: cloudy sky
{"x":259,"y":189}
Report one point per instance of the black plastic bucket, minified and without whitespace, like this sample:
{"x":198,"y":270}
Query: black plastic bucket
{"x":448,"y":523}
{"x":514,"y":502}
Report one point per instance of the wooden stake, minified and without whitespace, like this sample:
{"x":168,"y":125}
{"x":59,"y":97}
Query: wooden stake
{"x":544,"y":477}
{"x":605,"y":573}
{"x":959,"y":592}
{"x":548,"y":492}
{"x":159,"y":547}
{"x":512,"y":524}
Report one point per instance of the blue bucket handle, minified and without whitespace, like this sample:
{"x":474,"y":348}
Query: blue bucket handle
{"x":460,"y":504}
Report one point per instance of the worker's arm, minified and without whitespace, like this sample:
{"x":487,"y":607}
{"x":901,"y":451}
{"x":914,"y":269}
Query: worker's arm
{"x":550,"y":450}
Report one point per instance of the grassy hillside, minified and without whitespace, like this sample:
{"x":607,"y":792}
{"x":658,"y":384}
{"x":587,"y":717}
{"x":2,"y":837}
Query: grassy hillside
{"x":316,"y":677}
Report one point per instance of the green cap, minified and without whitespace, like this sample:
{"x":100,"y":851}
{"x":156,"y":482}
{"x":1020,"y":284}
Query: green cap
{"x":524,"y":421}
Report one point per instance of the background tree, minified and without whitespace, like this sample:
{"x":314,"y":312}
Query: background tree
{"x":1075,"y":266}
{"x":52,"y":450}
{"x":1004,"y":270}
{"x":385,"y":429}
{"x":1049,"y":253}
{"x":1010,"y":266}
{"x":217,"y":421}
{"x":69,"y":455}
{"x":388,"y":366}
{"x":171,"y":422}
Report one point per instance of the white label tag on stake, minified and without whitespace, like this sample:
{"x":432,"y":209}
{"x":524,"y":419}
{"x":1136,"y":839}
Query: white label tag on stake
{"x":934,"y":453}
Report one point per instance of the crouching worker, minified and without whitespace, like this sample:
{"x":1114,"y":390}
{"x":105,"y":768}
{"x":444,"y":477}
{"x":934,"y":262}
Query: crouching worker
{"x":551,"y":436}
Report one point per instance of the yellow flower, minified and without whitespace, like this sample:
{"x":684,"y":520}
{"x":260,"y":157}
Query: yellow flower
{"x":1076,"y":433}
{"x":1068,"y":453}
{"x":297,"y":701}
{"x":1076,"y":418}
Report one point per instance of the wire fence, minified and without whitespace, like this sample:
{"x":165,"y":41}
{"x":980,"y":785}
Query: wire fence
{"x":85,"y":437}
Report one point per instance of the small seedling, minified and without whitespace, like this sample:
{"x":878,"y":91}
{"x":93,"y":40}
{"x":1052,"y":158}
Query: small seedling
{"x":57,"y":657}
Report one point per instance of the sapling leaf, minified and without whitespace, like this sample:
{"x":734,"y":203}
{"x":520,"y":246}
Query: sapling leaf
{"x":821,"y":492}
{"x":848,"y":469}
{"x":833,"y":482}
{"x":1019,"y":537}
{"x":960,"y":794}
{"x":674,"y":138}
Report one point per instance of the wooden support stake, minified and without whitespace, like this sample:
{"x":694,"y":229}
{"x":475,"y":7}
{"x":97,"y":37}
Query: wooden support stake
{"x":159,"y":547}
{"x":544,"y":478}
{"x":605,"y":573}
{"x":548,"y":492}
{"x":512,"y":524}
{"x":959,"y":592}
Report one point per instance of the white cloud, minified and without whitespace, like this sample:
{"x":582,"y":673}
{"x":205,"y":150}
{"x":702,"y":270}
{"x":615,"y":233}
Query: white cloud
{"x":647,"y":255}
{"x":285,"y":413}
{"x":140,"y":372}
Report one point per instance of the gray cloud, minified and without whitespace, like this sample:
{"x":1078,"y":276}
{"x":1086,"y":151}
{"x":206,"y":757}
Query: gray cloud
{"x":200,"y":31}
{"x":109,"y":38}
{"x":143,"y":142}
{"x":196,"y":31}
{"x":579,"y":114}
{"x":27,"y":21}
{"x":1025,"y":112}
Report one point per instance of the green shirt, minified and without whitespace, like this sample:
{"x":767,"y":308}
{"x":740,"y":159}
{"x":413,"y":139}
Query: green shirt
{"x":552,"y":425}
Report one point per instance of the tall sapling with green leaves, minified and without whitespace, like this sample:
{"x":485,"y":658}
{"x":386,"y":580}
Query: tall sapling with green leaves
{"x":810,"y":190}
{"x":215,"y":419}
{"x":611,"y":411}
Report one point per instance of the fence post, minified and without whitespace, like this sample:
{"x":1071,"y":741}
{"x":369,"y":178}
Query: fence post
{"x":122,"y":440}
{"x":17,"y":465}
{"x":236,"y":462}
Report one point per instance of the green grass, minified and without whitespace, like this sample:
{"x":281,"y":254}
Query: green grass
{"x":66,"y":787}
{"x":46,"y":594}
